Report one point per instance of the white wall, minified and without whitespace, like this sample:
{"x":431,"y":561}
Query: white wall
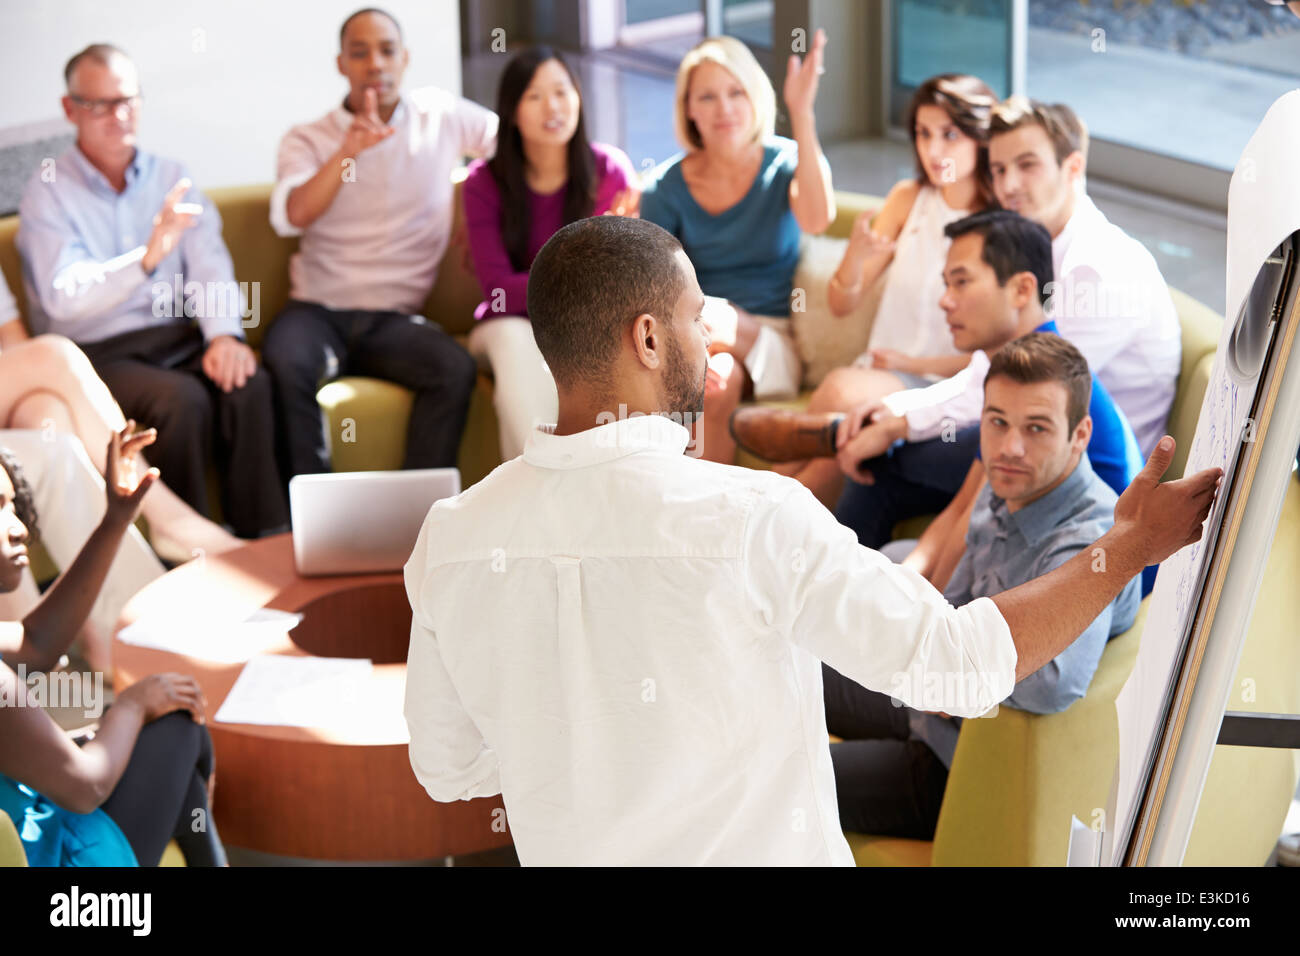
{"x":222,"y":79}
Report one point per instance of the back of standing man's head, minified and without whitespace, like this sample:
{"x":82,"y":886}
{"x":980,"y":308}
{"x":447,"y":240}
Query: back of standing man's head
{"x":587,"y":285}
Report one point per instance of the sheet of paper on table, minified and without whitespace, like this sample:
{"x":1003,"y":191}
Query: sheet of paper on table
{"x":212,"y":640}
{"x":295,"y":691}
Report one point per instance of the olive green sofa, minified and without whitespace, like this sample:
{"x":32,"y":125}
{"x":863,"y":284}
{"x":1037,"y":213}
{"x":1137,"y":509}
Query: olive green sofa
{"x":1016,"y":777}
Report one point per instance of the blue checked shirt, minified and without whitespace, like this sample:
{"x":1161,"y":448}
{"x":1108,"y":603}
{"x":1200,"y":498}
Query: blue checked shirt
{"x":1004,"y":550}
{"x":82,"y":244}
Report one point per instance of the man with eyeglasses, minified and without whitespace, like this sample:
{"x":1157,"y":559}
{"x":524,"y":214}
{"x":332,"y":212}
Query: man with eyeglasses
{"x":123,"y":255}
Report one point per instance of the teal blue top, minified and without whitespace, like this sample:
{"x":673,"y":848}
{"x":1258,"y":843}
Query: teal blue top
{"x":747,"y":253}
{"x":53,"y":836}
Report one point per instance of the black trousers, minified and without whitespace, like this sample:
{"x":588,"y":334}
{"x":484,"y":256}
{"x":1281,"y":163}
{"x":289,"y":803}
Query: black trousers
{"x":157,"y":377}
{"x":163,"y":794}
{"x":308,"y":344}
{"x":918,"y":478}
{"x":886,"y":782}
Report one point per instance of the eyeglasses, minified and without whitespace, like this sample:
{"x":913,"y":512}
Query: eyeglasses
{"x":107,"y":107}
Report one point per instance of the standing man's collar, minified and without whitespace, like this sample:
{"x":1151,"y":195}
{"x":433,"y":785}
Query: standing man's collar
{"x":617,"y":439}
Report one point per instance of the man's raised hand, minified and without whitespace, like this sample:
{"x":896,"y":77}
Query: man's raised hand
{"x":173,"y":218}
{"x":367,"y":128}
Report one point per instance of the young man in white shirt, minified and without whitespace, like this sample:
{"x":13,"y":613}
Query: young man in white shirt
{"x":1109,"y":298}
{"x":624,"y":641}
{"x":368,"y":188}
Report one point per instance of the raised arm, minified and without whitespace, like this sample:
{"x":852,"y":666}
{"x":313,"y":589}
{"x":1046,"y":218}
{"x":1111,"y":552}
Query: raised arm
{"x":308,"y":198}
{"x":49,"y":628}
{"x":870,"y":248}
{"x":69,"y":282}
{"x":812,"y":199}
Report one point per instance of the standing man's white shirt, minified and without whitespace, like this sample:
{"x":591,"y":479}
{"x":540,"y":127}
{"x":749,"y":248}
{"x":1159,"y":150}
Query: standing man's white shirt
{"x":378,"y":245}
{"x":625,"y":643}
{"x":1113,"y":304}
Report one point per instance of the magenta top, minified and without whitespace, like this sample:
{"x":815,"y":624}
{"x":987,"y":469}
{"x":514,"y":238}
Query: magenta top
{"x":487,"y":248}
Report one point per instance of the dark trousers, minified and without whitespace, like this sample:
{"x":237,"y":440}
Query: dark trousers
{"x":917,"y":478}
{"x":886,"y":782}
{"x":157,"y":377}
{"x":163,"y":794}
{"x":308,"y":344}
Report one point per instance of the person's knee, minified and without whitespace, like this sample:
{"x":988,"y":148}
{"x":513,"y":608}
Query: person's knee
{"x":181,"y":403}
{"x":724,"y":386}
{"x":175,"y":734}
{"x":255,"y":393}
{"x":292,"y":353}
{"x":837,"y":391}
{"x":56,"y":355}
{"x":462,"y":370}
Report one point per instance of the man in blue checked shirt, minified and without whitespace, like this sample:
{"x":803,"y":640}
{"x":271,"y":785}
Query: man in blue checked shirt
{"x":124,"y":256}
{"x":1042,"y":505}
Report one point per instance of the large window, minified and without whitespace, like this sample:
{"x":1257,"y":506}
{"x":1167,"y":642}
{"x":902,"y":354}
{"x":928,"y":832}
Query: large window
{"x":1170,"y":89}
{"x":1189,"y":79}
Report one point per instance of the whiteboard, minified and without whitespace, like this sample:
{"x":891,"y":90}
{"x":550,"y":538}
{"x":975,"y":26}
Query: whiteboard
{"x":1170,"y":709}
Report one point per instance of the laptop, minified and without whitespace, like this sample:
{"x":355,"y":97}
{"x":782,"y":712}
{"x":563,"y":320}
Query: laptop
{"x":362,"y":522}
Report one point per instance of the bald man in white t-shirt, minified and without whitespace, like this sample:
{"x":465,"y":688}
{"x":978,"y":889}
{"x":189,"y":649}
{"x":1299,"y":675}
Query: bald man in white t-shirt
{"x":368,"y":188}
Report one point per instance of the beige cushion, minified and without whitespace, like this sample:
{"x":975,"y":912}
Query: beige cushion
{"x":826,"y":341}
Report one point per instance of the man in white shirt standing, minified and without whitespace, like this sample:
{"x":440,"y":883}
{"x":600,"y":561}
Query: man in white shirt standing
{"x":624,"y":641}
{"x":368,"y":188}
{"x":1109,"y":298}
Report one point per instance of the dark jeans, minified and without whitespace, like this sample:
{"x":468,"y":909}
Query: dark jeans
{"x":886,"y":782}
{"x":917,"y":478}
{"x":308,"y":344}
{"x":157,"y":377}
{"x":163,"y":794}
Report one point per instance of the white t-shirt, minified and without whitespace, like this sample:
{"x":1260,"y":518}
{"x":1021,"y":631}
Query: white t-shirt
{"x":1112,"y":303}
{"x":378,"y":245}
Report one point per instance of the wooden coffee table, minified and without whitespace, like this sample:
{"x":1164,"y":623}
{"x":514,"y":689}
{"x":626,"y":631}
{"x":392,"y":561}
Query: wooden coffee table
{"x":345,"y":791}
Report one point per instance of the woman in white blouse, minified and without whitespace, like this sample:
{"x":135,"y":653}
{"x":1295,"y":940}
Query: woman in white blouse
{"x":910,"y":344}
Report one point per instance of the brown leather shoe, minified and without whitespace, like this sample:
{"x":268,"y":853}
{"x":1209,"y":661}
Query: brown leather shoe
{"x":780,"y":434}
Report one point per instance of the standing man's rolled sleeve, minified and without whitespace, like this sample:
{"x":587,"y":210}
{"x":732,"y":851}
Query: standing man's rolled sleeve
{"x":875,"y":622}
{"x":448,"y":754}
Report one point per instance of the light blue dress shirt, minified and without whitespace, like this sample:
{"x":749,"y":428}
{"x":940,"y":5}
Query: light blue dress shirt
{"x":1006,"y":549}
{"x":82,"y":244}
